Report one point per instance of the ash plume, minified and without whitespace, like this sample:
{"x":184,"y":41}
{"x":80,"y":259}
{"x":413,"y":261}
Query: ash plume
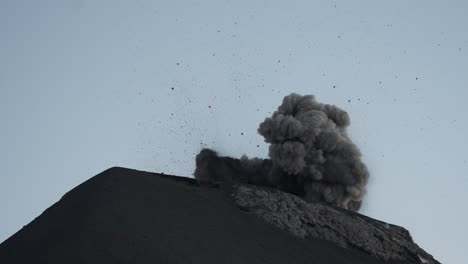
{"x":310,"y":154}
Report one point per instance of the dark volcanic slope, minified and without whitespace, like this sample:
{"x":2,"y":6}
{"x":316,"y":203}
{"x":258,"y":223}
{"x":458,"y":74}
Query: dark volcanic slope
{"x":128,"y":216}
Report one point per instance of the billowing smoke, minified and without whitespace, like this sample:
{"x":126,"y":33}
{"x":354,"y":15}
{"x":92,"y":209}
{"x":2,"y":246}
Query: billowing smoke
{"x":310,"y":154}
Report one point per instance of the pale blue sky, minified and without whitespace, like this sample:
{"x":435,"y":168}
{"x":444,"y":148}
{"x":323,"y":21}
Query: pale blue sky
{"x":86,"y":85}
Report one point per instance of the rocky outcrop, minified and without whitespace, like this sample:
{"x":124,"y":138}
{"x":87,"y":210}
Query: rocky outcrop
{"x":347,"y":229}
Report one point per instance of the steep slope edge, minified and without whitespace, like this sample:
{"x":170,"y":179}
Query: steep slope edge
{"x":345,"y":228}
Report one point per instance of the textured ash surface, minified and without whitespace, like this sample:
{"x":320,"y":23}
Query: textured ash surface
{"x":345,"y":228}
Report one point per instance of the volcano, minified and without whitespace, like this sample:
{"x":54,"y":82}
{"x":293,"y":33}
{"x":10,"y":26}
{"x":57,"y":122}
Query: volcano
{"x":129,"y":216}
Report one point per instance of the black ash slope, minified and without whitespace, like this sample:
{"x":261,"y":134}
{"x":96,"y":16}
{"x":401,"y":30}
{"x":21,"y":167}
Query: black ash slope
{"x":128,"y":216}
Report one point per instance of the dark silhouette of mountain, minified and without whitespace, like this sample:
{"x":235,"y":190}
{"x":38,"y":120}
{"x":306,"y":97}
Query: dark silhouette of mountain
{"x":129,"y":216}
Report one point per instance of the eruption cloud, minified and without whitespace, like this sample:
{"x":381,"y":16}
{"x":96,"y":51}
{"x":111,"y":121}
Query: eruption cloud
{"x":310,"y":154}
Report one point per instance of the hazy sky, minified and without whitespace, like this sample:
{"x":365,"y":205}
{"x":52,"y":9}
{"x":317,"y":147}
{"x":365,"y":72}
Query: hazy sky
{"x":86,"y":85}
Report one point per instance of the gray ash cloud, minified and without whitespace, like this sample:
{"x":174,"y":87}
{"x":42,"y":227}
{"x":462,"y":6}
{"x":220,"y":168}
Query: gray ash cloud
{"x":310,"y":155}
